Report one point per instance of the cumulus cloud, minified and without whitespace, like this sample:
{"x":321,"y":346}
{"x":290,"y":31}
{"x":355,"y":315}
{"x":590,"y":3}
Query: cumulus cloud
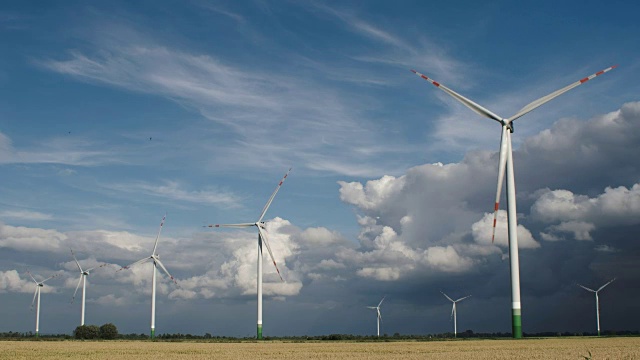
{"x":30,"y":239}
{"x":482,"y":232}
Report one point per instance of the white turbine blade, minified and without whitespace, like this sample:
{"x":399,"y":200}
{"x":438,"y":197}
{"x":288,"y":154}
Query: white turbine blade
{"x":462,"y":298}
{"x":49,"y":278}
{"x":135,"y":263}
{"x":241,"y":225}
{"x":74,"y":258}
{"x":478,"y":109}
{"x":453,"y":309}
{"x":371,"y":307}
{"x":34,"y":297}
{"x":447,"y":296}
{"x":77,"y":286}
{"x":263,"y":235}
{"x":32,"y":278}
{"x":266,"y":206}
{"x":165,"y":269}
{"x":603,"y":286}
{"x":586,"y":288}
{"x":379,"y":315}
{"x":556,"y":93}
{"x":96,"y":267}
{"x":502,"y":163}
{"x":381,"y":301}
{"x":155,"y":246}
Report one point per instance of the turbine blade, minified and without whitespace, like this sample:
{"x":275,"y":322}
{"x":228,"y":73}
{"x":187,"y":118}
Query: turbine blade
{"x":266,"y":206}
{"x":34,"y":297}
{"x":453,"y":310}
{"x":379,"y":315}
{"x":586,"y":288}
{"x":77,"y":286}
{"x":135,"y":263}
{"x":74,"y":258}
{"x":462,"y":298}
{"x":241,"y":225}
{"x":382,"y":300}
{"x":96,"y":267}
{"x":447,"y":296}
{"x":32,"y":278}
{"x":502,"y":164}
{"x":371,"y":307}
{"x":603,"y":286}
{"x":49,"y":278}
{"x":478,"y":109}
{"x":165,"y":270}
{"x":533,"y":105}
{"x":263,"y":235}
{"x":155,"y":246}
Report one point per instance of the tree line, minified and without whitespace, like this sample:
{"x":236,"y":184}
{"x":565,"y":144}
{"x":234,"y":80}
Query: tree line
{"x":110,"y":332}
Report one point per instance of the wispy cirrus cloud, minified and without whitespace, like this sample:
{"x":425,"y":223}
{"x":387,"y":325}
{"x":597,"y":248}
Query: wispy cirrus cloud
{"x":25,"y":215}
{"x":174,"y":190}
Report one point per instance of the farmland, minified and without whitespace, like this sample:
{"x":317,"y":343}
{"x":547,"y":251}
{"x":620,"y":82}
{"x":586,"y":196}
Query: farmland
{"x":556,"y":348}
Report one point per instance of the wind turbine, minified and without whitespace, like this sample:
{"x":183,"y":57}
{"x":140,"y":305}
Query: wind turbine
{"x":506,"y":161}
{"x":597,"y":301}
{"x":454,"y":312}
{"x":156,"y":262}
{"x":379,"y":316}
{"x":39,"y":284}
{"x":83,"y":280}
{"x":262,"y":236}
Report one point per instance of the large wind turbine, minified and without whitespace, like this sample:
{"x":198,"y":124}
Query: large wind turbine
{"x":454,"y":312}
{"x":83,"y":279}
{"x":156,"y":262}
{"x":506,"y":161}
{"x":39,"y":284}
{"x":379,"y":316}
{"x":597,"y":301}
{"x":262,"y":236}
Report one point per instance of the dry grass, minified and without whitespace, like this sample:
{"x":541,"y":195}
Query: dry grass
{"x":557,"y":348}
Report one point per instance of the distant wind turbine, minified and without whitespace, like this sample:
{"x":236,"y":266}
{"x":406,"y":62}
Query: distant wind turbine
{"x":39,"y":284}
{"x":597,"y":301}
{"x":156,"y":262}
{"x":262,"y":236}
{"x":506,"y":162}
{"x":83,"y":279}
{"x":454,"y":312}
{"x":379,"y":316}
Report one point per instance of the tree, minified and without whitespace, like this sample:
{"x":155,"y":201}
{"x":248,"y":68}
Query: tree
{"x":86,"y":332}
{"x":108,"y":331}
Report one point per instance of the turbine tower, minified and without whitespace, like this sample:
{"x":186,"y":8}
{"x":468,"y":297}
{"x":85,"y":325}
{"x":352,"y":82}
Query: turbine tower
{"x":39,"y":284}
{"x":454,"y":312}
{"x":379,"y":316}
{"x":156,"y":262}
{"x":262,"y":236}
{"x":506,"y":161}
{"x":597,"y":301}
{"x":83,"y":280}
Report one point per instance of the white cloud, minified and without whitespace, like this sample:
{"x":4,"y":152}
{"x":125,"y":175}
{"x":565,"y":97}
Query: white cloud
{"x":25,"y":215}
{"x":482,"y":232}
{"x":31,"y":239}
{"x":174,"y":191}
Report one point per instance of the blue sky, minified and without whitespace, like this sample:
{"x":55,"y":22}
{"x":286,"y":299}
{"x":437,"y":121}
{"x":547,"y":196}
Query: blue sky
{"x":112,"y":114}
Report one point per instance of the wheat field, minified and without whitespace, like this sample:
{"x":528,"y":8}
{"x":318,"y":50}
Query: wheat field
{"x":556,"y":348}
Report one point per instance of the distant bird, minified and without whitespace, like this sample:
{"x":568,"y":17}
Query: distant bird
{"x":149,"y":138}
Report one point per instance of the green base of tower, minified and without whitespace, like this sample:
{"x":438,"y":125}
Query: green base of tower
{"x":37,"y":334}
{"x":516,"y":323}
{"x":259,"y":331}
{"x":153,"y":333}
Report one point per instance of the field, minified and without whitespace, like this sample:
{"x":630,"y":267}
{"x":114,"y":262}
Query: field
{"x":556,"y":348}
